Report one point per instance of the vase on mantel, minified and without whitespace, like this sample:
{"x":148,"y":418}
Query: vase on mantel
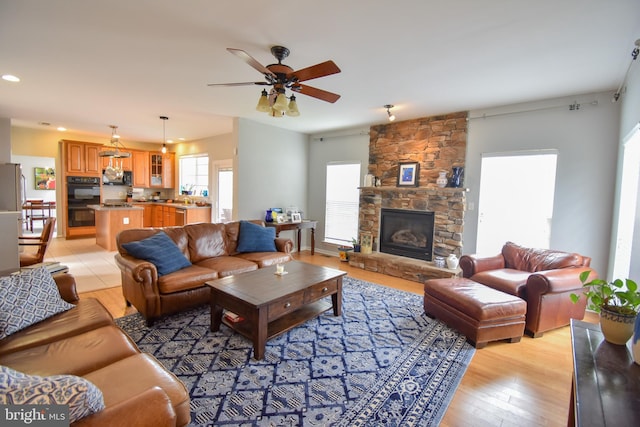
{"x":456,"y":177}
{"x":442,"y":179}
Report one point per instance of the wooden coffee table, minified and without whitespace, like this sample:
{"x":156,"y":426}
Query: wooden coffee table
{"x":272,"y":304}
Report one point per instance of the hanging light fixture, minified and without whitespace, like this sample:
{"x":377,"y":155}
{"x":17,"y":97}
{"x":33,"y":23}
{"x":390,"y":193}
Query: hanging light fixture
{"x":164,"y":134}
{"x":389,"y":115}
{"x":115,"y":152}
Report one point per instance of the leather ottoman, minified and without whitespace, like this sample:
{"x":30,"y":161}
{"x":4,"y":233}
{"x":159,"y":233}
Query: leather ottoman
{"x":481,"y":313}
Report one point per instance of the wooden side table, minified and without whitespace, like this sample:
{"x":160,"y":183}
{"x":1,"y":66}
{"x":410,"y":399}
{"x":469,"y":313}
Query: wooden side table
{"x":305,"y":224}
{"x":606,"y":381}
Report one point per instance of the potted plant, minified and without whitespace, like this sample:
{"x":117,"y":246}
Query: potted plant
{"x":356,"y":244}
{"x":617,"y":302}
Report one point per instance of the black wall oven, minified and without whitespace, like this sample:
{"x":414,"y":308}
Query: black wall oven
{"x":81,"y":192}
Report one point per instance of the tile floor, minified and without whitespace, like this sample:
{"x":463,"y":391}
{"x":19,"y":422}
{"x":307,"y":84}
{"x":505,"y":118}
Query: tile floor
{"x":93,"y":267}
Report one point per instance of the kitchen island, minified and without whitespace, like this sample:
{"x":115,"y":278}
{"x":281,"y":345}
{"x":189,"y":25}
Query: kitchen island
{"x":110,"y":220}
{"x":163,"y":214}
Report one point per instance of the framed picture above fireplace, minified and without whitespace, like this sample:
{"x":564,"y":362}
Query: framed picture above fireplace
{"x":408,"y":174}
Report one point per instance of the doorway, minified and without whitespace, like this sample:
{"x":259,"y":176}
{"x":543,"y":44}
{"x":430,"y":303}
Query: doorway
{"x":516,"y":200}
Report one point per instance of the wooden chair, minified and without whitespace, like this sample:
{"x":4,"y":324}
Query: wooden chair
{"x":38,"y":210}
{"x":41,"y":242}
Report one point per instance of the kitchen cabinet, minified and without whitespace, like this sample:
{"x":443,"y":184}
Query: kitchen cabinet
{"x":162,"y":170}
{"x":147,"y":214}
{"x":140,"y":168}
{"x":156,"y":216}
{"x":81,"y":158}
{"x":198,"y":215}
{"x":168,"y":216}
{"x":124,"y":163}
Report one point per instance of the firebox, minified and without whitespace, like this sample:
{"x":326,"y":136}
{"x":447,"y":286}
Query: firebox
{"x":407,"y":233}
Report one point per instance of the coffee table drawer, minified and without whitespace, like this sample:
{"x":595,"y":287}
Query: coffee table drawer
{"x":320,"y":290}
{"x":285,"y":305}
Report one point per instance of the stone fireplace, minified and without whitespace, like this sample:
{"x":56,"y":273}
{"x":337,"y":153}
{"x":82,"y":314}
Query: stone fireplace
{"x":436,"y":143}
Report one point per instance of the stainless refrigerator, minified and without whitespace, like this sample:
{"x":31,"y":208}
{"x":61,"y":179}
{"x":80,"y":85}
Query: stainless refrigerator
{"x":12,"y":190}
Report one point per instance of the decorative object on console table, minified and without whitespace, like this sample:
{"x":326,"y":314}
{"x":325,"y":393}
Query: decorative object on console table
{"x":269,"y":216}
{"x":456,"y":177}
{"x":408,"y":174}
{"x":618,"y":303}
{"x":296,"y":217}
{"x":442,"y":179}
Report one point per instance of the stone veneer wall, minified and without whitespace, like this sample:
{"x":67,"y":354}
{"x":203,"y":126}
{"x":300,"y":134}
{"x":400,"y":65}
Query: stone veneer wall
{"x":437,"y":143}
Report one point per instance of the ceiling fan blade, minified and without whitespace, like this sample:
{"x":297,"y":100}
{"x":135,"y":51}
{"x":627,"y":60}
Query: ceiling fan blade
{"x":319,"y":70}
{"x":316,"y":93}
{"x":239,"y":84}
{"x":251,"y":61}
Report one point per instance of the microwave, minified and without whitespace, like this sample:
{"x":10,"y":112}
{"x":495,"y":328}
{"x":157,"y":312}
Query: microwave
{"x":113,"y":179}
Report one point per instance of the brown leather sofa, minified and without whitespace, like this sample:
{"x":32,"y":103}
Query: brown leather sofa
{"x":211,"y":248}
{"x":544,"y":278}
{"x":84,"y":341}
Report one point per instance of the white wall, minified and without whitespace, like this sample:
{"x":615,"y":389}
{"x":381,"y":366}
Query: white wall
{"x":270,"y":171}
{"x":345,"y":145}
{"x":586,"y":140}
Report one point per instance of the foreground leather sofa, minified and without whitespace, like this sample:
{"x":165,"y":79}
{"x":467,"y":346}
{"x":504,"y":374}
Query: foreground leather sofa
{"x":544,"y":278}
{"x":83,"y":341}
{"x":211,"y":249}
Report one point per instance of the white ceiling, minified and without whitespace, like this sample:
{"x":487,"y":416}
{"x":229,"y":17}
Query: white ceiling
{"x":88,"y":64}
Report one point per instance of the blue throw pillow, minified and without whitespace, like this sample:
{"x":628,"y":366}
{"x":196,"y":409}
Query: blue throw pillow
{"x":159,"y":250}
{"x":256,"y":238}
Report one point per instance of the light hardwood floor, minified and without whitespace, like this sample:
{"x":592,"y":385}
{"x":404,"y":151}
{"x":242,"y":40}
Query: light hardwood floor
{"x":521,"y":384}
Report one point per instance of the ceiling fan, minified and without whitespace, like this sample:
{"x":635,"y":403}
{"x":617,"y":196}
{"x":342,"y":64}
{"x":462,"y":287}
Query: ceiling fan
{"x":282,"y":77}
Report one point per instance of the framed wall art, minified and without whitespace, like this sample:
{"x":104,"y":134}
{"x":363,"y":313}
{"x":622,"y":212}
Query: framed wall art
{"x":408,"y":174}
{"x":45,"y":178}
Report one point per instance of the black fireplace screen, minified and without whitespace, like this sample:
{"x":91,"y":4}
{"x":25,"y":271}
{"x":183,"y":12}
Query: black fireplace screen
{"x":407,"y":233}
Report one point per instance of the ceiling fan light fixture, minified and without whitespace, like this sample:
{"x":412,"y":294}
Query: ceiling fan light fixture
{"x":275,"y":113}
{"x":293,"y":107}
{"x":281,"y":101}
{"x":263,"y":103}
{"x":390,"y":116}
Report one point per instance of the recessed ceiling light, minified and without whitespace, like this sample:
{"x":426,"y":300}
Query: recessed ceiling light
{"x":62,"y":128}
{"x":10,"y":78}
{"x":181,"y":139}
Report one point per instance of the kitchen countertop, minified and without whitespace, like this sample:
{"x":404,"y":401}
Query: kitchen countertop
{"x":114,"y":208}
{"x":174,"y":204}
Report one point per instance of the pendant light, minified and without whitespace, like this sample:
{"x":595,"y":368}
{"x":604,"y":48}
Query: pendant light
{"x":164,"y":134}
{"x":293,"y":107}
{"x":263,"y":103}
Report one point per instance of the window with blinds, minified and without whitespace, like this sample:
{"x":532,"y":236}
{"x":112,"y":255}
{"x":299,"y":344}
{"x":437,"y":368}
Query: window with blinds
{"x":342,"y":200}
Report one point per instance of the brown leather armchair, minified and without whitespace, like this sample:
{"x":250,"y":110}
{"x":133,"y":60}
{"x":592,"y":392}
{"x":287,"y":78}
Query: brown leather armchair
{"x":544,"y":278}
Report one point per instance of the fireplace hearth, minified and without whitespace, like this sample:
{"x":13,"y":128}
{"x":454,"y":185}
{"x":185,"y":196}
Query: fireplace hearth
{"x":407,"y":233}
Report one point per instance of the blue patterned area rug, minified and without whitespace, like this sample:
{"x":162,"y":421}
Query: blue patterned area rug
{"x":383,"y":362}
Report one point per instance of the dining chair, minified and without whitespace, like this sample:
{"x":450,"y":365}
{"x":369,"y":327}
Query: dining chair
{"x":41,"y":242}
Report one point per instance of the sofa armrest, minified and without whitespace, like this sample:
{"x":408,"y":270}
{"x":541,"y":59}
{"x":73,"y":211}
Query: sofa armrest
{"x":151,"y":408}
{"x":472,"y":264}
{"x":557,"y":281}
{"x":67,"y":287}
{"x":140,"y":270}
{"x":284,"y":245}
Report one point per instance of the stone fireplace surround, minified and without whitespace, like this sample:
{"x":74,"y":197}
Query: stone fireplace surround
{"x":437,"y":143}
